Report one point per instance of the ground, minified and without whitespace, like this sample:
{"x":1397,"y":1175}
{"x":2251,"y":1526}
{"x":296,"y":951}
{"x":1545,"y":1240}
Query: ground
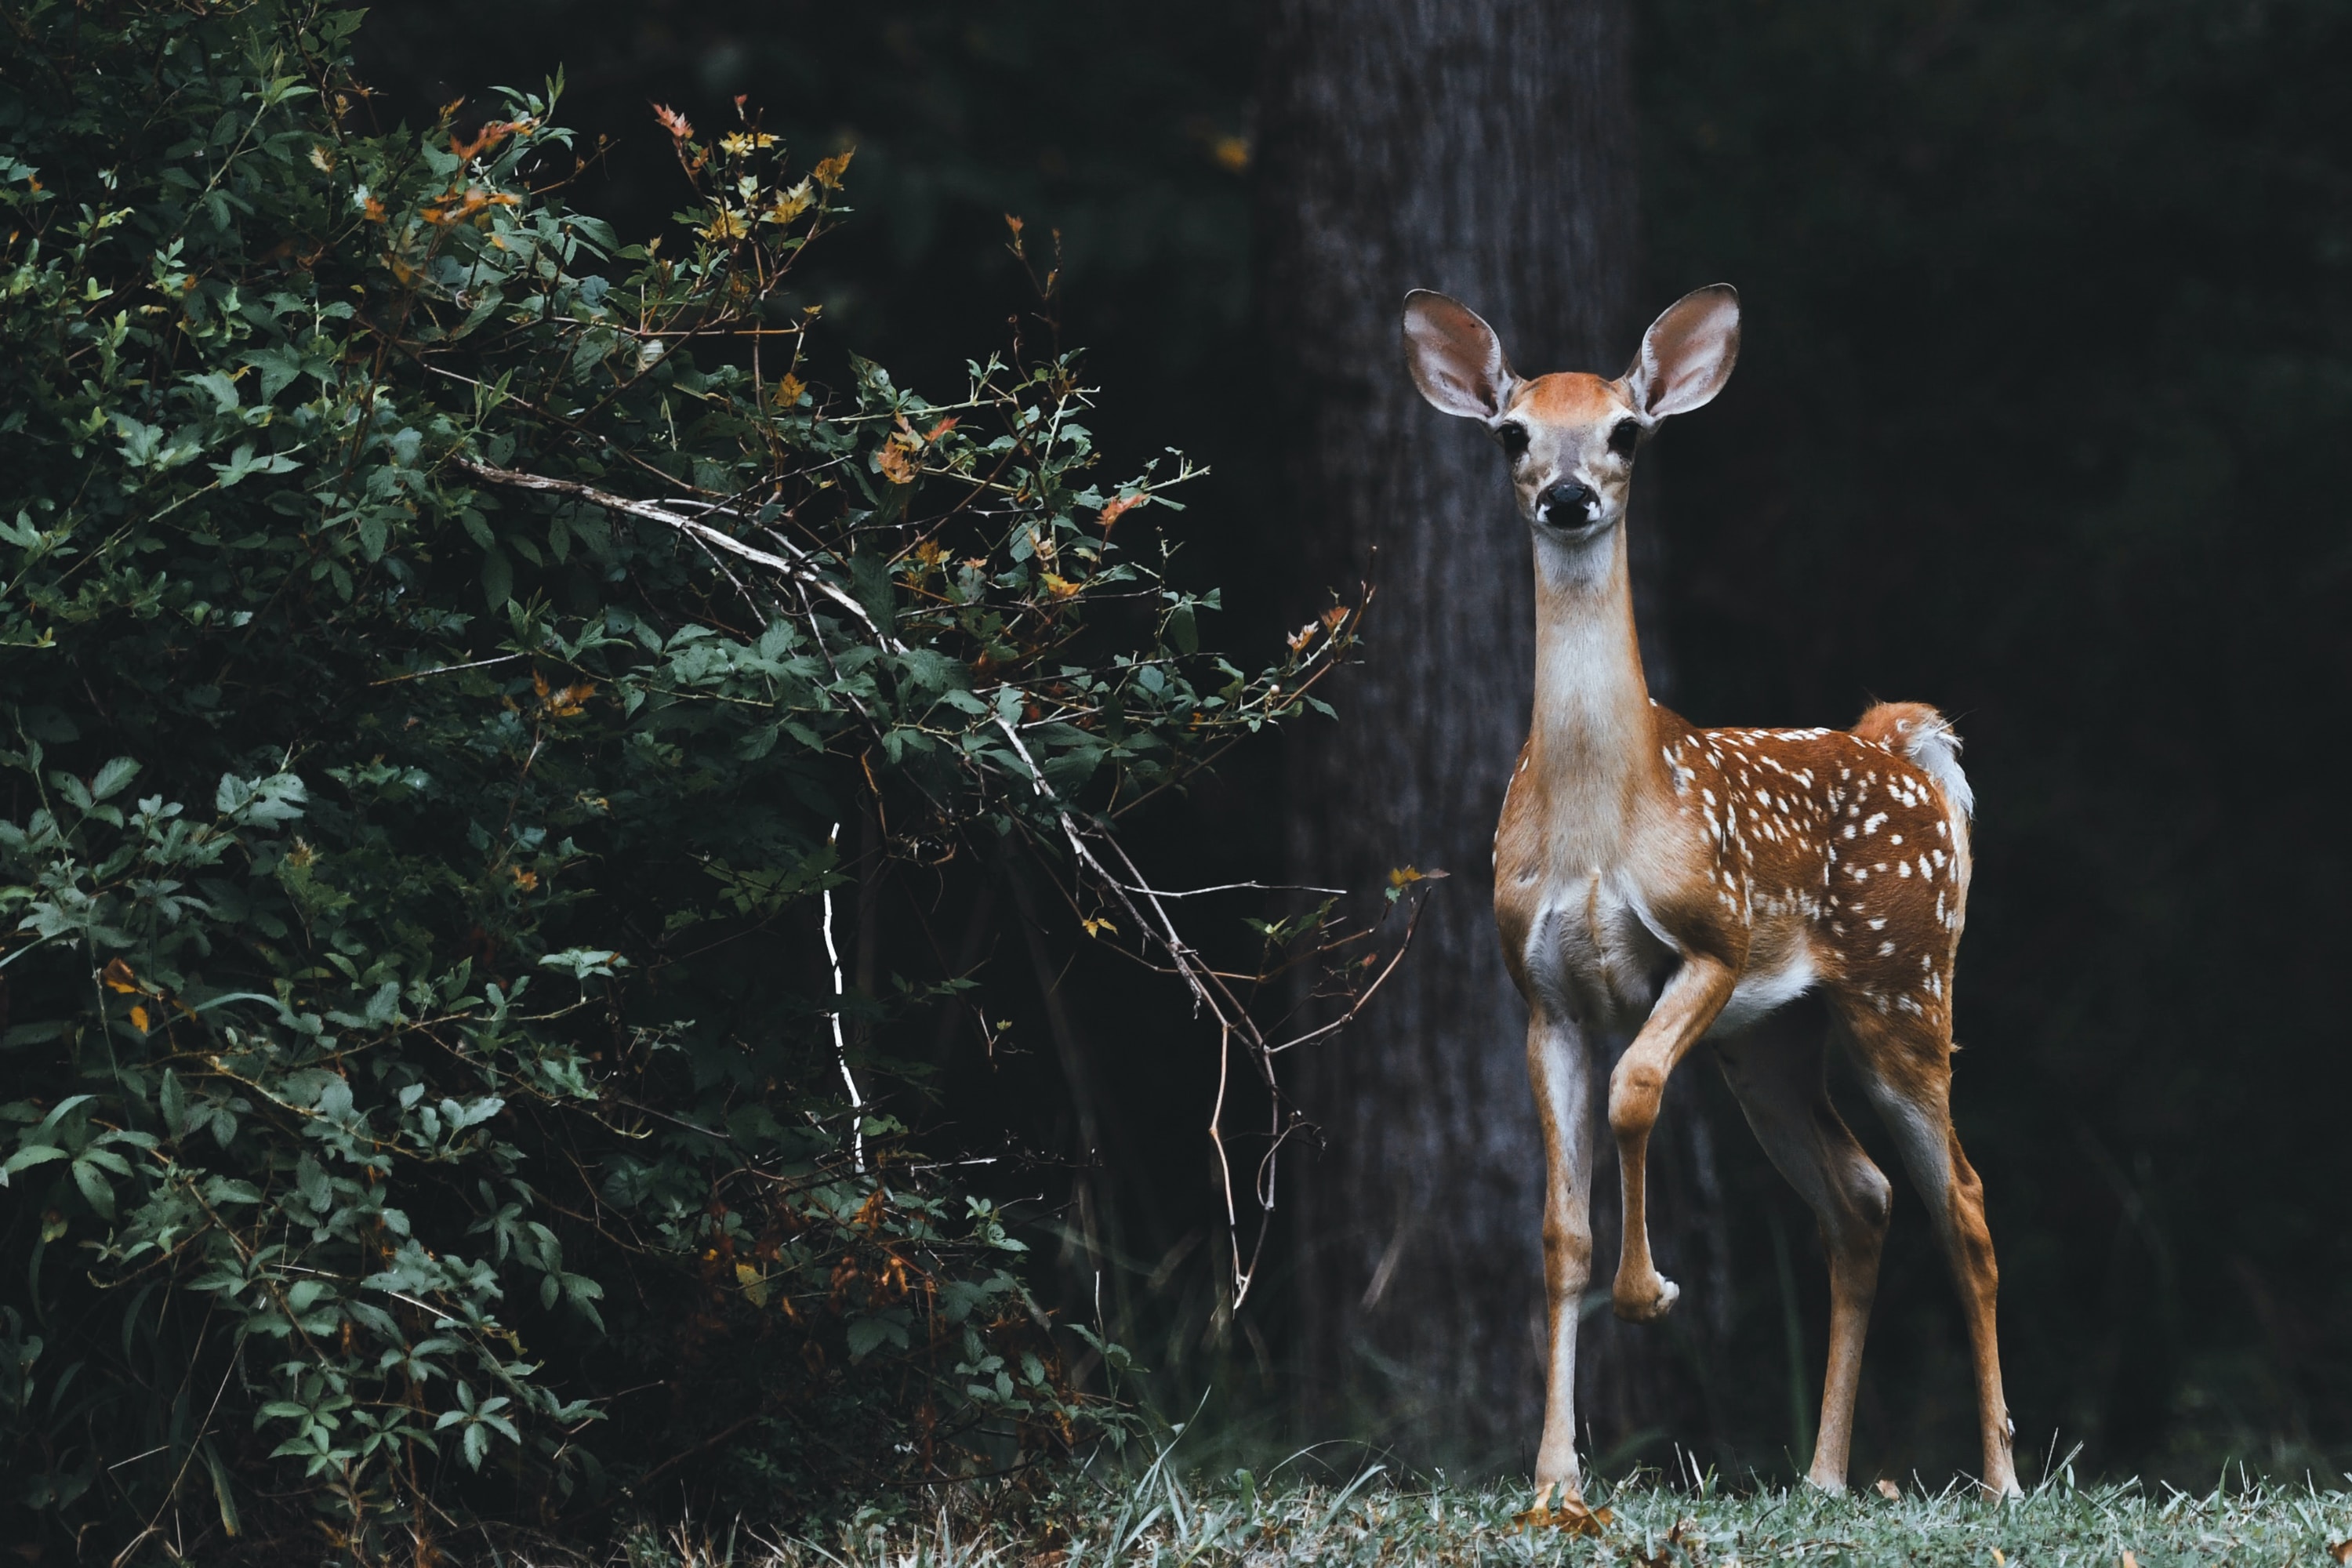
{"x":1171,"y":1523}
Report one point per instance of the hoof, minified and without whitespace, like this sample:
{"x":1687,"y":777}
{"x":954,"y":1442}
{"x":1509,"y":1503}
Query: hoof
{"x":1636,"y":1304}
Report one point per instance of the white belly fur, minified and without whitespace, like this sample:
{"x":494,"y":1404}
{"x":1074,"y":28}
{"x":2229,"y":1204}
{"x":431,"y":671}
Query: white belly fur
{"x":1766,"y":989}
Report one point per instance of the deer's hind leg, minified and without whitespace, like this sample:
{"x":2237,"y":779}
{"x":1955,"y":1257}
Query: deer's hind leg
{"x":1781,"y":1083}
{"x":1906,"y":1063}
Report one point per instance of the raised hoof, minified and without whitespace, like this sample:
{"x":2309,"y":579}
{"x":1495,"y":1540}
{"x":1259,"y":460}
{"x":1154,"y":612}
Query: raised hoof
{"x":1636,"y":1304}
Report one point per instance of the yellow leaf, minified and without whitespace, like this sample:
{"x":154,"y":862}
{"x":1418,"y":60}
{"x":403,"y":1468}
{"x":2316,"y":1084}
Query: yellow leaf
{"x":1059,"y":587}
{"x":790,"y":204}
{"x":736,"y":143}
{"x":323,"y":160}
{"x":118,"y":977}
{"x":789,"y":390}
{"x":829,"y":173}
{"x":1098,"y":926}
{"x":527,"y":882}
{"x":755,"y":1285}
{"x":725,"y":224}
{"x":1405,"y":875}
{"x":1232,"y":153}
{"x":139,"y":1017}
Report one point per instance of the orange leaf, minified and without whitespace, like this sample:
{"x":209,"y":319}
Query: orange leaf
{"x":118,"y":977}
{"x":487,"y":137}
{"x":1112,"y":511}
{"x":939,"y":429}
{"x":526,"y":881}
{"x":671,"y":120}
{"x":897,"y":461}
{"x":139,"y":1017}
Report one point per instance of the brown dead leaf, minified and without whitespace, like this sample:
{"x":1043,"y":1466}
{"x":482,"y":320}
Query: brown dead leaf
{"x":1569,"y":1515}
{"x":1889,"y":1490}
{"x":118,"y":977}
{"x":2341,"y":1551}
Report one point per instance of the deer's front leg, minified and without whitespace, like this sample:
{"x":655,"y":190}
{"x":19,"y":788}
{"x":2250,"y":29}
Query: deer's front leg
{"x":1560,"y":1072}
{"x":1688,"y":1004}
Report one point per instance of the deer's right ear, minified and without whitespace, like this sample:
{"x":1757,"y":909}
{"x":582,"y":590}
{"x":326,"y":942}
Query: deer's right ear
{"x":1457,"y":359}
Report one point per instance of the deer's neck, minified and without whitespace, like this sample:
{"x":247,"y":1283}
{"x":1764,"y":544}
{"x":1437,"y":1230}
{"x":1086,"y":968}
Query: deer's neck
{"x":1591,"y":740}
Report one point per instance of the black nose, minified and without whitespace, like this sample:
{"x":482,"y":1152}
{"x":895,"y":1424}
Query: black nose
{"x":1565,"y":502}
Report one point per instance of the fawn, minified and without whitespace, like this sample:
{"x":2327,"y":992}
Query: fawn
{"x":1681,"y":883}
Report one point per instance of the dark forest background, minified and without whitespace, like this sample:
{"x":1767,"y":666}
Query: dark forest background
{"x":2041,"y":415}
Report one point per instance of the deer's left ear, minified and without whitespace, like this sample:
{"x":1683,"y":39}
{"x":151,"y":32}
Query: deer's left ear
{"x":1687,"y":354}
{"x":1457,"y":359}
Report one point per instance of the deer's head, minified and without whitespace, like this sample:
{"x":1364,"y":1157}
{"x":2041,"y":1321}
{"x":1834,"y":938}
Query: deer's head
{"x":1571,"y":437}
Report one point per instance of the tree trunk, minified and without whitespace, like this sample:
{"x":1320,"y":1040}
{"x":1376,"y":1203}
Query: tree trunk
{"x":1484,"y":148}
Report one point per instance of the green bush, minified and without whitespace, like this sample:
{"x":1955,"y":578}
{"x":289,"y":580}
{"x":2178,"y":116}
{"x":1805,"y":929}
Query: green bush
{"x":452,"y":660}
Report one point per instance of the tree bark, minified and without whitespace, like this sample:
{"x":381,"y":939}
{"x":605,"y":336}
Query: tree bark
{"x":1484,"y":148}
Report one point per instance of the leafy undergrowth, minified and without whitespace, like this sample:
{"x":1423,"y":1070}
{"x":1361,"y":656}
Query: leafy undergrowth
{"x":1374,"y":1519}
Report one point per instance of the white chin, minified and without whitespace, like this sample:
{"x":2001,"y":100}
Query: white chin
{"x":1576,"y":532}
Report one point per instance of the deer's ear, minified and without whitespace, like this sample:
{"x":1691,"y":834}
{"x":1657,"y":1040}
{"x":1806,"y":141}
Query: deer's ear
{"x":1687,"y":354}
{"x":1457,"y":359}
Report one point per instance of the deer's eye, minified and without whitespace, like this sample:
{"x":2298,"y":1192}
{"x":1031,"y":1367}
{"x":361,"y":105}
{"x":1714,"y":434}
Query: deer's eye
{"x":1625,"y":437}
{"x":1514,"y":439}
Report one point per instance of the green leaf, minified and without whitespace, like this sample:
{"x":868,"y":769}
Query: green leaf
{"x":25,"y":1158}
{"x":95,"y":1187}
{"x":112,"y":777}
{"x":497,"y":580}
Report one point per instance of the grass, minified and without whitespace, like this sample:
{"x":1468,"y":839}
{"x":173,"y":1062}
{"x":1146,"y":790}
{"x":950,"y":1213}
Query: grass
{"x":1375,"y":1518}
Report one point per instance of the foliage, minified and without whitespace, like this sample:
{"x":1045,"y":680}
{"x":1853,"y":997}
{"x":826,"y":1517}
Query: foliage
{"x":457,"y":663}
